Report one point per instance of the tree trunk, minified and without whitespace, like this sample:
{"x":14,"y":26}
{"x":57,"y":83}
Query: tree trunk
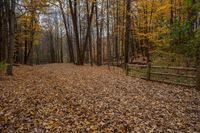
{"x":128,"y":31}
{"x":117,"y":35}
{"x":73,"y":10}
{"x":87,"y":34}
{"x":1,"y":30}
{"x":26,"y":46}
{"x":98,"y":37}
{"x":171,"y":13}
{"x":5,"y":30}
{"x":32,"y":33}
{"x":108,"y":36}
{"x":61,"y":47}
{"x":69,"y":41}
{"x":11,"y":38}
{"x":198,"y":78}
{"x":52,"y":50}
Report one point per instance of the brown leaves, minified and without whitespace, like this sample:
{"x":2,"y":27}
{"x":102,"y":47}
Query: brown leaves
{"x":68,"y":98}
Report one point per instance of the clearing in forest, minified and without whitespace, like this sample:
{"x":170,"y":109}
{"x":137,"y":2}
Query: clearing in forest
{"x":68,"y":98}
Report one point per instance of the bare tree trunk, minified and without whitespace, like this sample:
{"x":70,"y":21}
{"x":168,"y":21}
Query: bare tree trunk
{"x":128,"y":31}
{"x":25,"y":45}
{"x":98,"y":37}
{"x":108,"y":36}
{"x":69,"y":41}
{"x":32,"y":33}
{"x":11,"y":38}
{"x":1,"y":30}
{"x":117,"y":35}
{"x":73,"y":10}
{"x":52,"y":50}
{"x":5,"y":30}
{"x":101,"y":30}
{"x":146,"y":41}
{"x":91,"y":54}
{"x":171,"y":12}
{"x":61,"y":47}
{"x":87,"y":33}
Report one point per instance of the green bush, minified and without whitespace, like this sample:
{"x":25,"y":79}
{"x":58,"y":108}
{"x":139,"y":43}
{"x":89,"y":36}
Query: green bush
{"x":3,"y":66}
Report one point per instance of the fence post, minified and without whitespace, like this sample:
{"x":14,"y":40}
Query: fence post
{"x":148,"y":71}
{"x":198,"y":78}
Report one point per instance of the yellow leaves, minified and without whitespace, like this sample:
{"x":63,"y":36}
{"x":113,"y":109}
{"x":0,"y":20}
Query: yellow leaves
{"x":162,"y":30}
{"x":25,"y":23}
{"x":164,"y":7}
{"x":153,"y":36}
{"x":162,"y":10}
{"x":151,"y":18}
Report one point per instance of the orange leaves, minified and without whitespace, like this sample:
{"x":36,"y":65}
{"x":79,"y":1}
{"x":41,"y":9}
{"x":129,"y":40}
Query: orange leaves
{"x":151,"y":23}
{"x":67,"y":98}
{"x":26,"y":25}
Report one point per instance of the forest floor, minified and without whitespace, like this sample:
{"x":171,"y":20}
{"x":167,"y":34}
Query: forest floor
{"x":68,"y":98}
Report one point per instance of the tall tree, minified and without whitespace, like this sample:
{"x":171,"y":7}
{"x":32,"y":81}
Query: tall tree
{"x":73,"y":11}
{"x":11,"y":37}
{"x":128,"y":31}
{"x":69,"y":38}
{"x":99,"y":48}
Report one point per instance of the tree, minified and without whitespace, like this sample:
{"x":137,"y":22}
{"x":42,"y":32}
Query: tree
{"x":7,"y":32}
{"x":11,"y":37}
{"x":128,"y":32}
{"x":69,"y":40}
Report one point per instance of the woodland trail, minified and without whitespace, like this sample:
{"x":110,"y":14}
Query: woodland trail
{"x":68,"y":98}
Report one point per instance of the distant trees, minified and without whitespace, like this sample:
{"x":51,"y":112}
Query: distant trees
{"x":114,"y":32}
{"x":29,"y":30}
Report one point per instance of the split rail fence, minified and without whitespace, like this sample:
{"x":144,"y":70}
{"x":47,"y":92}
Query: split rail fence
{"x":186,"y":76}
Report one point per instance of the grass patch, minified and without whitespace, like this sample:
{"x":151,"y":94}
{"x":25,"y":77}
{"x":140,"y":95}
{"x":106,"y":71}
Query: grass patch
{"x":137,"y":72}
{"x":142,"y":73}
{"x":3,"y":67}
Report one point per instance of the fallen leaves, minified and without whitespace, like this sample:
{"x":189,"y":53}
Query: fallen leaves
{"x":69,"y":98}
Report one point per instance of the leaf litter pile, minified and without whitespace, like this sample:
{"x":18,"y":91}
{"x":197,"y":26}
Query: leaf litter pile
{"x":68,"y":98}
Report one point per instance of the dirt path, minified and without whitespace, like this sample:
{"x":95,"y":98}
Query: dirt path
{"x":68,"y":98}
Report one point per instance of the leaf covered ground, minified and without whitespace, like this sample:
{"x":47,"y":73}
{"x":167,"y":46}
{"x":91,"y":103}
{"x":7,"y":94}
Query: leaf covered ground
{"x":68,"y":98}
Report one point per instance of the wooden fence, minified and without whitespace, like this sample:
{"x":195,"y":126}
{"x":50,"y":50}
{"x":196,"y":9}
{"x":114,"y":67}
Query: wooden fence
{"x":174,"y":75}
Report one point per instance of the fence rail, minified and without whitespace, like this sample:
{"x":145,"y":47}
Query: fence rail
{"x":186,"y":76}
{"x":175,"y":68}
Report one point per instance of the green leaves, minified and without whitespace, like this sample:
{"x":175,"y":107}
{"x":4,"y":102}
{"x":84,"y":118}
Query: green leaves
{"x":3,"y":66}
{"x":196,"y":7}
{"x":188,"y":3}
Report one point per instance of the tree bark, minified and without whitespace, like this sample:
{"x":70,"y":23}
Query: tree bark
{"x":198,"y":78}
{"x":11,"y":38}
{"x":98,"y":37}
{"x":108,"y":36}
{"x":87,"y":33}
{"x":61,"y":47}
{"x":128,"y":31}
{"x":73,"y":11}
{"x":69,"y":41}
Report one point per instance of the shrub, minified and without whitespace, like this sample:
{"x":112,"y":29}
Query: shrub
{"x":3,"y":67}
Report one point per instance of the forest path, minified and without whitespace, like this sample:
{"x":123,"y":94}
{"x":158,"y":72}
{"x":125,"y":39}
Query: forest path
{"x":69,"y":98}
